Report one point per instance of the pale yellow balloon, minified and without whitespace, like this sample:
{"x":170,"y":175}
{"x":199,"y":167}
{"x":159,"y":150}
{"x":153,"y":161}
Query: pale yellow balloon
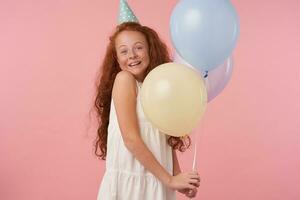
{"x":174,"y":97}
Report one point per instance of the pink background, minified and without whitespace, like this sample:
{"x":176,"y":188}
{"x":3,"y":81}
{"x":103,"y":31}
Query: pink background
{"x":248,"y":142}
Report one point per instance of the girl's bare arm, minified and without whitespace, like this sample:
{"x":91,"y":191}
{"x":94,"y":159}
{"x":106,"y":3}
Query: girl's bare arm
{"x":124,"y":96}
{"x":176,"y":166}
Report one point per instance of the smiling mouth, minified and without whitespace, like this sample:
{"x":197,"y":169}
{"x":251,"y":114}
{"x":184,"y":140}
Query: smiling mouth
{"x":135,"y":64}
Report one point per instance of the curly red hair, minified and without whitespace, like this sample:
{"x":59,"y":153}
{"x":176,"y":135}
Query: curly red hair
{"x":158,"y":54}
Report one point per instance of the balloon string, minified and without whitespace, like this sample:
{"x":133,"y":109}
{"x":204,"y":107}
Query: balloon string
{"x":196,"y":145}
{"x":195,"y":153}
{"x":195,"y":149}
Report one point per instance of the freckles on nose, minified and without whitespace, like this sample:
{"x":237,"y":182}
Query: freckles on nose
{"x":132,"y":54}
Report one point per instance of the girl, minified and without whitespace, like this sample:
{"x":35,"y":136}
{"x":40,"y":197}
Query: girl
{"x":141,"y":162}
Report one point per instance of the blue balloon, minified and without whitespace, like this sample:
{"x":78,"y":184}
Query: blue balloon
{"x":204,"y":32}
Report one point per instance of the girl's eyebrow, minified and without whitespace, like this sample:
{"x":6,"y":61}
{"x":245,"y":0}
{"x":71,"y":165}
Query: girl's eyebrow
{"x":133,"y":44}
{"x":139,"y":42}
{"x":123,"y":45}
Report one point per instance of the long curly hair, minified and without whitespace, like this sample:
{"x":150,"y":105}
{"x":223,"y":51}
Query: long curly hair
{"x":158,"y":54}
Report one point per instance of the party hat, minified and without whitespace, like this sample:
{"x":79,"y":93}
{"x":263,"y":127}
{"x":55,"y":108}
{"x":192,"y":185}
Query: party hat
{"x":125,"y":13}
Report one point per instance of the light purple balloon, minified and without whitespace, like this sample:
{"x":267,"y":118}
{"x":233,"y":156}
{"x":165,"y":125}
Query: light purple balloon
{"x":216,"y":79}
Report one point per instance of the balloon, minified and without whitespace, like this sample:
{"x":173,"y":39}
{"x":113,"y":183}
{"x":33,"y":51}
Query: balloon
{"x":204,"y":32}
{"x":216,"y":79}
{"x":173,"y":98}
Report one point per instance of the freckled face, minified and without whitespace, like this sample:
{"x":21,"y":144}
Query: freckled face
{"x":132,"y":53}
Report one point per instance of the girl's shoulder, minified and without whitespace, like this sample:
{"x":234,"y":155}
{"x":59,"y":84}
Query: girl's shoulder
{"x":125,"y":83}
{"x":124,"y":75}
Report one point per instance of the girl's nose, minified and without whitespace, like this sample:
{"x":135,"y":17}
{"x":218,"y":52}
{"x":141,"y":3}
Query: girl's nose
{"x":132,"y":54}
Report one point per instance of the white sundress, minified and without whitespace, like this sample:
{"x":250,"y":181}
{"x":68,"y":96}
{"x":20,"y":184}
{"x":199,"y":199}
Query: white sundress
{"x":125,"y":177}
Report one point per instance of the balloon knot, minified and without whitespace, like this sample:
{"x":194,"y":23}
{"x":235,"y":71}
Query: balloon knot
{"x":206,"y":74}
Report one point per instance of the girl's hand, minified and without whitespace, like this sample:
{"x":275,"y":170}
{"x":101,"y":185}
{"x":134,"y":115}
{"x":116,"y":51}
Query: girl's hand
{"x":187,"y":180}
{"x":191,"y":193}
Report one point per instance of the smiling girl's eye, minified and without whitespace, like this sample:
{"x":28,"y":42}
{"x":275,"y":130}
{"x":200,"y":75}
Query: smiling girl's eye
{"x":123,"y":51}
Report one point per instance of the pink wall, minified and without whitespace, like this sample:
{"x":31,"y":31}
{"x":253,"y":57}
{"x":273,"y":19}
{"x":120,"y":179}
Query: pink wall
{"x":50,"y":52}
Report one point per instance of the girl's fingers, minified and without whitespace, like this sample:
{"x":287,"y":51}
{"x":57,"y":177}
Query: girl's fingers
{"x":190,"y":186}
{"x":196,"y":184}
{"x":191,"y":193}
{"x":194,"y":176}
{"x":193,"y":181}
{"x":193,"y":173}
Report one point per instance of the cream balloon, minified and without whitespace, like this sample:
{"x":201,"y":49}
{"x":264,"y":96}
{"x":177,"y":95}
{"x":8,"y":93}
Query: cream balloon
{"x":173,"y":98}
